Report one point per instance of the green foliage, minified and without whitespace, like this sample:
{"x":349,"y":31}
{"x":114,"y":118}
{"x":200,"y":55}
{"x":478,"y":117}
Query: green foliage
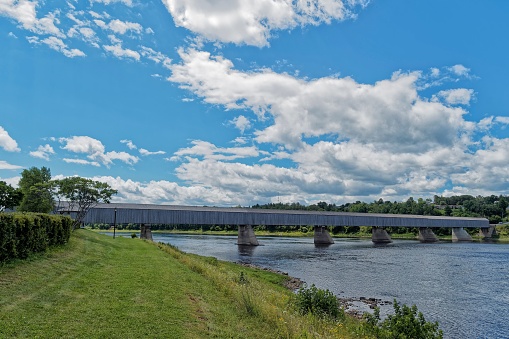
{"x":81,"y":194}
{"x":36,"y":189}
{"x":405,"y":323}
{"x":9,"y":196}
{"x":318,"y":302}
{"x":24,"y":234}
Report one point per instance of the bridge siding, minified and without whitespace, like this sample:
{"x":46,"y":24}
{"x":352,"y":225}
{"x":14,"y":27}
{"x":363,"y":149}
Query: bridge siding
{"x":167,"y":214}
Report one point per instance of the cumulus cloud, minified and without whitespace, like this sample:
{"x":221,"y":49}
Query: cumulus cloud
{"x":241,"y":123}
{"x":458,"y":96}
{"x":95,"y":151}
{"x":121,"y":27}
{"x":145,"y":152}
{"x":43,"y":152}
{"x":122,"y":53}
{"x":58,"y":45}
{"x":208,"y":150}
{"x":8,"y":143}
{"x":460,"y":70}
{"x":109,"y":2}
{"x":24,"y":12}
{"x":251,"y":22}
{"x":81,"y":162}
{"x":344,"y":138}
{"x":129,"y":144}
{"x":157,"y":57}
{"x":389,"y":113}
{"x":4,"y":165}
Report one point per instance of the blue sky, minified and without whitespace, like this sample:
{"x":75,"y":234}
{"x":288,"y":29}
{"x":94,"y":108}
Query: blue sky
{"x":239,"y":102}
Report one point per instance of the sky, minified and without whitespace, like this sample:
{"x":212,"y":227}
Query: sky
{"x":239,"y":102}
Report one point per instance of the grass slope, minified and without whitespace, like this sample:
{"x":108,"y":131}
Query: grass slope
{"x":100,"y":287}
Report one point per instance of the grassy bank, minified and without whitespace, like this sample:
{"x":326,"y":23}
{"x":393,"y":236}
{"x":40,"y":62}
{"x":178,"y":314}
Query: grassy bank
{"x":100,"y":287}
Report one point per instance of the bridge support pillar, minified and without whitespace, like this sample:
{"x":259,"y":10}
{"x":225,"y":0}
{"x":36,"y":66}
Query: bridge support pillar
{"x":322,"y":236}
{"x":459,"y":234}
{"x":146,"y":232}
{"x":488,"y":233}
{"x":380,"y":236}
{"x":427,"y":235}
{"x":247,"y":236}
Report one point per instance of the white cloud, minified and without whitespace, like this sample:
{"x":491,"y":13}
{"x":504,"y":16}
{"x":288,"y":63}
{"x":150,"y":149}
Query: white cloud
{"x":4,"y":165}
{"x":82,"y":162}
{"x":460,"y":70}
{"x":121,"y":27}
{"x":389,"y":113}
{"x":458,"y":96}
{"x":43,"y":152}
{"x":145,"y":152}
{"x":120,"y":52}
{"x":209,"y":151}
{"x":12,"y":35}
{"x":241,"y":123}
{"x":95,"y":151}
{"x":155,"y":56}
{"x":8,"y":143}
{"x":251,"y":22}
{"x":58,"y":45}
{"x":377,"y":140}
{"x":502,"y":120}
{"x":13,"y":181}
{"x":129,"y":144}
{"x":109,"y":2}
{"x":24,"y":12}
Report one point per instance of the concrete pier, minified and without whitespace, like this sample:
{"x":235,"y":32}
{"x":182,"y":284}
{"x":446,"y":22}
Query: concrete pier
{"x":459,"y":234}
{"x":146,"y":232}
{"x":380,"y":236}
{"x":427,"y":235}
{"x":247,"y":236}
{"x":322,"y":236}
{"x":488,"y":233}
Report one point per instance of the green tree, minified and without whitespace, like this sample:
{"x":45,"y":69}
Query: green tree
{"x":36,"y":189}
{"x":81,"y":194}
{"x":9,"y":196}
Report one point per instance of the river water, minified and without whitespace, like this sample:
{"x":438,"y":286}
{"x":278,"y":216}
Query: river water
{"x":463,"y":286}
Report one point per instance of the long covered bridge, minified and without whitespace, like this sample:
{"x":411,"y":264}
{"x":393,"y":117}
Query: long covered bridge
{"x":246,"y":218}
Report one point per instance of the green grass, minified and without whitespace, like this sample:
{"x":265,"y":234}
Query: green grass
{"x":100,"y":287}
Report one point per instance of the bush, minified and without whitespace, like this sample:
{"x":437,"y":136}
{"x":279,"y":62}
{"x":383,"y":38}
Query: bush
{"x":317,"y":301}
{"x":22,"y":234}
{"x":405,"y":323}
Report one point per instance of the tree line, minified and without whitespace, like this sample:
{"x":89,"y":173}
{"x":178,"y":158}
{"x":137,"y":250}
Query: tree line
{"x":37,"y":192}
{"x":491,"y":207}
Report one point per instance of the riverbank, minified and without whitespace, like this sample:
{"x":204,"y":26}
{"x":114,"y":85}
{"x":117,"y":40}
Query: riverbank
{"x":97,"y":286}
{"x":503,"y":235}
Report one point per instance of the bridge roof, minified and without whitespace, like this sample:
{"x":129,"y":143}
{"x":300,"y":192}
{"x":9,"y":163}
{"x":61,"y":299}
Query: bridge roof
{"x":172,"y":214}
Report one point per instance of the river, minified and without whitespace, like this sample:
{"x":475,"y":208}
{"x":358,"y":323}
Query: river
{"x":463,"y":286}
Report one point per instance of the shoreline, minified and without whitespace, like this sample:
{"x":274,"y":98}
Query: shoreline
{"x":353,"y":306}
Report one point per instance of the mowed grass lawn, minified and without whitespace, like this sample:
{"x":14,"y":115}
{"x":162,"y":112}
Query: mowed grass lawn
{"x":100,"y":287}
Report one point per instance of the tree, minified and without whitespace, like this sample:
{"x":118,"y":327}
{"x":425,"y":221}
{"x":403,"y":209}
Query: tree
{"x":81,"y":194}
{"x":35,"y":186}
{"x":9,"y":196}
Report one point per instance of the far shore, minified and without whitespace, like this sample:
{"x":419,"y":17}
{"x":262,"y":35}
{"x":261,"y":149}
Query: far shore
{"x":298,"y":234}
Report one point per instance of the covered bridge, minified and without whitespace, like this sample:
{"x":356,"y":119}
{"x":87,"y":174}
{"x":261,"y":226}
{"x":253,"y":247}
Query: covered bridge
{"x":245,"y":218}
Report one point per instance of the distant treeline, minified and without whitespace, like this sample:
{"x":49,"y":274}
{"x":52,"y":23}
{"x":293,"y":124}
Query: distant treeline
{"x":491,"y":207}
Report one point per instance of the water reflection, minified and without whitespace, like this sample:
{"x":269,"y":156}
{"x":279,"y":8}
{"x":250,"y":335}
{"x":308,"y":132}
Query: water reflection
{"x":246,"y":251}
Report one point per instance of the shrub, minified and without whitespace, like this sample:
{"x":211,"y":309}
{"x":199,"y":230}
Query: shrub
{"x":405,"y":323}
{"x":22,"y":234}
{"x":317,"y":301}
